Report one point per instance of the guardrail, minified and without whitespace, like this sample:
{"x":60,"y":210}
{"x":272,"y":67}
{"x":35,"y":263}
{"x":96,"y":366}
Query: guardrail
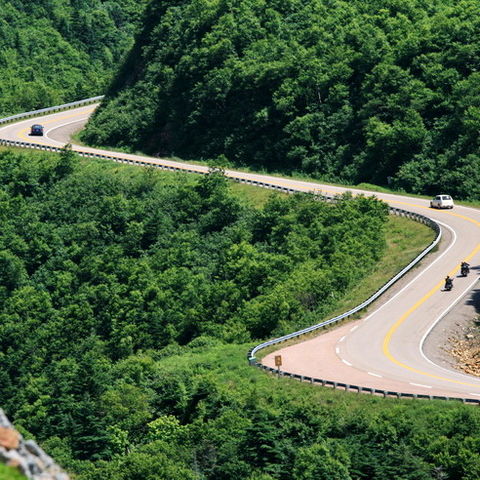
{"x":395,"y":211}
{"x":58,"y":108}
{"x":251,"y":354}
{"x":359,"y":389}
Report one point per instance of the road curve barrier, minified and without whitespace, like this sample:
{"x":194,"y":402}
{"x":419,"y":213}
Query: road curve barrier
{"x":252,"y":352}
{"x":369,"y":390}
{"x":58,"y":108}
{"x":393,"y":211}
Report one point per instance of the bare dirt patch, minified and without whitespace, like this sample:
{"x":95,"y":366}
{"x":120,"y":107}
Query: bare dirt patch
{"x":454,"y":342}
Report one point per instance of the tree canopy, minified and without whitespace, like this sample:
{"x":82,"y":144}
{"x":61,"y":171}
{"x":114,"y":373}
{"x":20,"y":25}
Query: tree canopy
{"x":126,"y":299}
{"x":379,"y":91}
{"x":56,"y":51}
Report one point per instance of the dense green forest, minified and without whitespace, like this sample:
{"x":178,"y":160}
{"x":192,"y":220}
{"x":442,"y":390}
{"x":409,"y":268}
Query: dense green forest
{"x":56,"y":51}
{"x":353,"y":91}
{"x":128,"y":301}
{"x":129,"y":297}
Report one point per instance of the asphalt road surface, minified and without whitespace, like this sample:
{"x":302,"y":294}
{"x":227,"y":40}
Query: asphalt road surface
{"x":385,"y":348}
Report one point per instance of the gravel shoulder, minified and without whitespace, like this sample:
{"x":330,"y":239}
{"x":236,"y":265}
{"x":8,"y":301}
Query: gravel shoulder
{"x":454,"y":343}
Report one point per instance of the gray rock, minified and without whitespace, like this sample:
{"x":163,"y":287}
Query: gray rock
{"x":42,"y":476}
{"x":4,"y":421}
{"x":34,"y":449}
{"x":29,"y":458}
{"x":21,"y":449}
{"x":35,"y":465}
{"x":14,"y":459}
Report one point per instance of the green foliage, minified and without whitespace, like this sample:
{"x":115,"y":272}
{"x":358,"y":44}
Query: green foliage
{"x":238,"y":422}
{"x":351,"y":91}
{"x":126,"y":294}
{"x":317,"y":461}
{"x":145,"y":264}
{"x":9,"y":473}
{"x":98,"y":266}
{"x":55,"y":51}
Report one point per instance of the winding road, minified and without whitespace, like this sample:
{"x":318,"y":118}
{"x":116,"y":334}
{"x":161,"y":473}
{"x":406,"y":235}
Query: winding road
{"x":385,"y":348}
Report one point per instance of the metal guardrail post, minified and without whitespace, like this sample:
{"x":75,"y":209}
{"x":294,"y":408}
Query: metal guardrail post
{"x":65,"y":106}
{"x":251,"y":354}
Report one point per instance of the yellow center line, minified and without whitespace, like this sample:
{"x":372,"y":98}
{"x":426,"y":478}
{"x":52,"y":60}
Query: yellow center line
{"x":288,"y":183}
{"x":396,"y":325}
{"x":22,"y":133}
{"x":401,"y":320}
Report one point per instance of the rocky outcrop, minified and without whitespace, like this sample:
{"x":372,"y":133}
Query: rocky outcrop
{"x":26,"y":455}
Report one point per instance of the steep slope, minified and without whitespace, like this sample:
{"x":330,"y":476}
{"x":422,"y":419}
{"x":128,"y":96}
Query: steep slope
{"x":381,"y":91}
{"x":119,"y":333}
{"x":53,"y":51}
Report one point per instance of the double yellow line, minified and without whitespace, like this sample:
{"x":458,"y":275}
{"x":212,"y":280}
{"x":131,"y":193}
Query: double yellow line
{"x":23,"y":133}
{"x":388,"y":337}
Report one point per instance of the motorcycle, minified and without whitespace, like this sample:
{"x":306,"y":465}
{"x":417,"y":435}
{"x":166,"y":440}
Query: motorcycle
{"x":465,"y":269}
{"x":448,"y":284}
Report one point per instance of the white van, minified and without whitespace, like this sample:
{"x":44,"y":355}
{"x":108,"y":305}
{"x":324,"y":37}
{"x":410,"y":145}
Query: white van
{"x":442,"y":201}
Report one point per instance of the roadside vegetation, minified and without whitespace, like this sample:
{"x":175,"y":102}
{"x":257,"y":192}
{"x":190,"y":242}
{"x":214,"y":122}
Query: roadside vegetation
{"x":9,"y":473}
{"x":384,"y":92}
{"x":405,"y":240}
{"x":129,"y":298}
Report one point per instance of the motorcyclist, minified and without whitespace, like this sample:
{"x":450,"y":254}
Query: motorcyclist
{"x":465,"y":268}
{"x":448,"y":283}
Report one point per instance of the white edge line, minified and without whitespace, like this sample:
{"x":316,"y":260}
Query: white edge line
{"x":354,"y":328}
{"x":420,"y":385}
{"x":37,"y":119}
{"x":60,"y":126}
{"x":432,"y":326}
{"x":346,"y":363}
{"x":374,"y":374}
{"x":419,"y":275}
{"x":342,"y":339}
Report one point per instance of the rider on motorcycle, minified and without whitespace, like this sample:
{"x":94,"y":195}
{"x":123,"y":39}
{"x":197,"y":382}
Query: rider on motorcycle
{"x":448,"y":283}
{"x":465,"y":268}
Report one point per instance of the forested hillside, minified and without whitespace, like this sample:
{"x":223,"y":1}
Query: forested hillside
{"x":377,"y":91}
{"x":126,"y":296}
{"x":98,"y":265}
{"x":55,"y":51}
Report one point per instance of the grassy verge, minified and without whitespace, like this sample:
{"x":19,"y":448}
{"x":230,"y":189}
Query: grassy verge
{"x":255,"y":196}
{"x":290,"y":176}
{"x":405,"y":240}
{"x":9,"y":473}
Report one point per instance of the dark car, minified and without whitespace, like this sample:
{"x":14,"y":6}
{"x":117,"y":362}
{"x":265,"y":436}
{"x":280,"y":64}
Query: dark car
{"x":36,"y":130}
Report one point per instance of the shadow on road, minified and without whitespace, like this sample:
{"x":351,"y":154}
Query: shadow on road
{"x":474,"y":299}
